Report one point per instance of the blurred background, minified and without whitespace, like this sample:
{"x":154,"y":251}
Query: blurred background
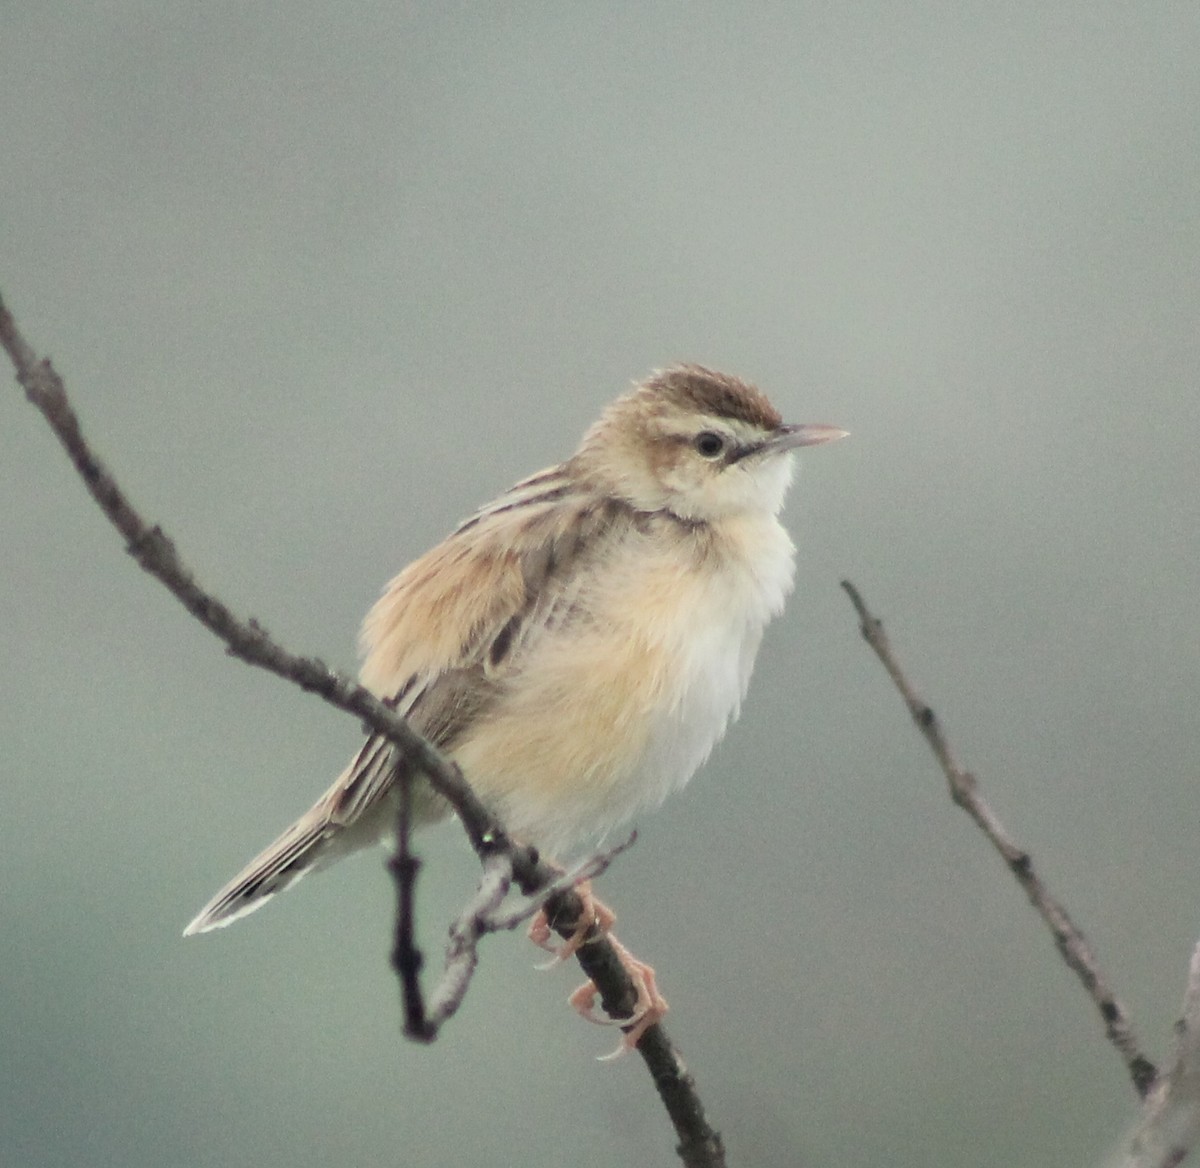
{"x":322,"y":279}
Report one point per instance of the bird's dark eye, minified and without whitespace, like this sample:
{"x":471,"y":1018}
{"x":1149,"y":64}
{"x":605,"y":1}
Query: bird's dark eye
{"x":708,"y":444}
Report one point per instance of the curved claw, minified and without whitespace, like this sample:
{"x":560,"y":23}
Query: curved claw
{"x":539,"y":933}
{"x":649,"y":1009}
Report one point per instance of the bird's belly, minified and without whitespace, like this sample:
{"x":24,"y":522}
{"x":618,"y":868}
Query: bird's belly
{"x":611,"y":717}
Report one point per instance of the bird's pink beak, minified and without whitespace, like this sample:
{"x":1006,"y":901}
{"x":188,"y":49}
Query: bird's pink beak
{"x":807,"y":434}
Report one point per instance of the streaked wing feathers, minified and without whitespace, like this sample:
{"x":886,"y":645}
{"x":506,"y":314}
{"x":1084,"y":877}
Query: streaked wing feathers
{"x":451,"y":628}
{"x":464,"y":603}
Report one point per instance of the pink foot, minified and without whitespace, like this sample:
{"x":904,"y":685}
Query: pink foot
{"x":649,"y":1010}
{"x":595,"y":912}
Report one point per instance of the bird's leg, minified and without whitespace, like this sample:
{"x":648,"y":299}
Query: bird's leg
{"x":650,"y":1005}
{"x":647,"y":1011}
{"x":594,"y":912}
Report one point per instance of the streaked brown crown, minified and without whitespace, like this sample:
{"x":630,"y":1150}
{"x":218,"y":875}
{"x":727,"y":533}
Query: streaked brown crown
{"x":695,"y":388}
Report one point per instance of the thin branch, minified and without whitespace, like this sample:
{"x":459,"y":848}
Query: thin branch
{"x":964,"y":790}
{"x":248,"y":640}
{"x":406,"y":957}
{"x":1170,"y":1124}
{"x":588,"y":869}
{"x":466,"y":931}
{"x":700,"y":1145}
{"x":480,"y":917}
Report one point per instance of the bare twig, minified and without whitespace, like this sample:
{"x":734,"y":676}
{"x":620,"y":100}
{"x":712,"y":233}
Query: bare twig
{"x":588,"y":869}
{"x":462,"y":951}
{"x":247,"y":640}
{"x":700,"y":1145}
{"x":481,"y":916}
{"x":406,"y":957}
{"x":964,"y":790}
{"x":1170,"y":1123}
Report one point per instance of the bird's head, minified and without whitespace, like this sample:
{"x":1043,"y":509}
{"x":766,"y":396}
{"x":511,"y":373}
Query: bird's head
{"x":700,"y":444}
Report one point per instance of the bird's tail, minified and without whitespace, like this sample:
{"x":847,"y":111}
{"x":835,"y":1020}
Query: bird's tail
{"x":353,"y":813}
{"x":356,"y":811}
{"x":310,"y":843}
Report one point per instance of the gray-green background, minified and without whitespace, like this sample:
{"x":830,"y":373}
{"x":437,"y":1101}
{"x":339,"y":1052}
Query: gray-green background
{"x":324,"y":277}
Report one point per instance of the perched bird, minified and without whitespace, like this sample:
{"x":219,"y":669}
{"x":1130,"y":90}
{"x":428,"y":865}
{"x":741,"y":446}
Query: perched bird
{"x":580,"y":644}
